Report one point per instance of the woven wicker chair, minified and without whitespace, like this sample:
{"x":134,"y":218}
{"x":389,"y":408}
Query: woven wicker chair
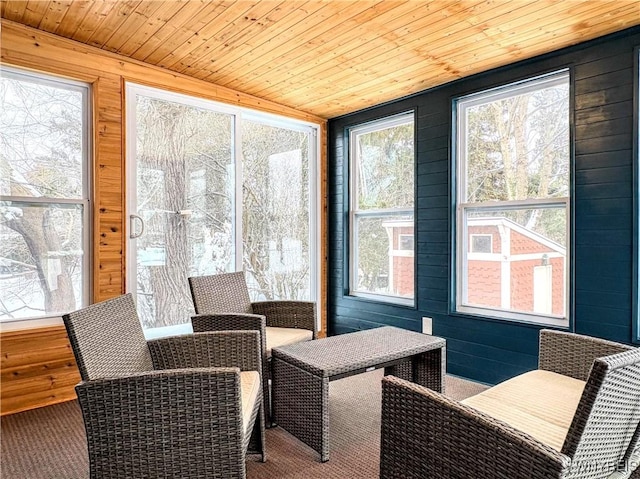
{"x":631,"y":459}
{"x":427,"y":435}
{"x":222,"y":302}
{"x":186,"y":406}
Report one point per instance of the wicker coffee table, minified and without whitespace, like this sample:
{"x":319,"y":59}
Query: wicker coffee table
{"x":302,"y":371}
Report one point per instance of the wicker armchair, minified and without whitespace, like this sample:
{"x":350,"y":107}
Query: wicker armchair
{"x":186,"y":406}
{"x":427,"y":435}
{"x":222,"y":302}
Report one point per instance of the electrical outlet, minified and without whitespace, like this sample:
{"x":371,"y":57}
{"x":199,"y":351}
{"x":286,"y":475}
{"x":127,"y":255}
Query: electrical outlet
{"x":427,"y":325}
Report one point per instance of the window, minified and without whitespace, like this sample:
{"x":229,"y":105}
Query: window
{"x":44,"y":195}
{"x":382,"y":210}
{"x":481,"y":243}
{"x":214,"y":188}
{"x":513,"y":156}
{"x":405,"y":242}
{"x":277,"y":209}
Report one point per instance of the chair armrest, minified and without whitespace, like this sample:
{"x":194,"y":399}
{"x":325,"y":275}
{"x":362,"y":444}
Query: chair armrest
{"x":164,"y":423}
{"x":288,"y":314}
{"x":227,"y":322}
{"x":240,"y":349}
{"x":573,"y":354}
{"x":426,"y":434}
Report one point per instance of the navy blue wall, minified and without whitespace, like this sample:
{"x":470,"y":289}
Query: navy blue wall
{"x":602,"y":288}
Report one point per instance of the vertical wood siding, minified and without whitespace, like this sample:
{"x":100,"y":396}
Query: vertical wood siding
{"x":602,"y":287}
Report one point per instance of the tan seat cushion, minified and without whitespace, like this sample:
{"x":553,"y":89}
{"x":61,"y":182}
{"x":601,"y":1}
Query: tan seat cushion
{"x":540,"y":403}
{"x":277,"y":337}
{"x":249,"y":389}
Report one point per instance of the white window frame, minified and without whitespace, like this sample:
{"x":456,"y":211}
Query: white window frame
{"x":84,"y":201}
{"x":463,"y":208}
{"x":355,"y":213}
{"x":132,"y":90}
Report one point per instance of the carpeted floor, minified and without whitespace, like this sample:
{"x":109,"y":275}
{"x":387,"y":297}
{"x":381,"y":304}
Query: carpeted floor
{"x":50,"y":442}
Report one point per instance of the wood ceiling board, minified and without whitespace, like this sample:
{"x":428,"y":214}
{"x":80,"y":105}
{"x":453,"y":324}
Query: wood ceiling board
{"x":56,"y":11}
{"x":73,"y":17}
{"x":179,"y":42}
{"x":165,"y":13}
{"x":318,"y":46}
{"x":34,"y":11}
{"x":116,"y":16}
{"x":220,"y":26}
{"x":455,"y":41}
{"x":94,"y":17}
{"x":396,"y":50}
{"x":228,"y":70}
{"x":327,"y":57}
{"x":305,"y":39}
{"x":422,"y":48}
{"x":339,"y":50}
{"x":252,"y":21}
{"x":133,"y":26}
{"x":160,"y":38}
{"x":284,"y":19}
{"x":481,"y":58}
{"x":233,"y":49}
{"x":12,"y":10}
{"x":538,"y":40}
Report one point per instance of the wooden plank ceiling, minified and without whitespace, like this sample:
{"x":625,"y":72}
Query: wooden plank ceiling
{"x":327,"y":57}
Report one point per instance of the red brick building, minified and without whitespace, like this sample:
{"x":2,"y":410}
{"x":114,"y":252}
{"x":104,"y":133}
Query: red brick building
{"x":508,"y":266}
{"x":513,"y":268}
{"x":401,"y":254}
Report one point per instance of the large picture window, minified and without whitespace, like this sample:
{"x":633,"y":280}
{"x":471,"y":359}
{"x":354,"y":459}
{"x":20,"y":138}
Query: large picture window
{"x":214,"y":188}
{"x":513,"y":163}
{"x":381,"y":166}
{"x":44,"y":195}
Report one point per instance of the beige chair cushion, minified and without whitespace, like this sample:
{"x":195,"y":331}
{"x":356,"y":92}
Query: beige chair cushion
{"x":277,"y":337}
{"x":540,"y":403}
{"x":249,"y":389}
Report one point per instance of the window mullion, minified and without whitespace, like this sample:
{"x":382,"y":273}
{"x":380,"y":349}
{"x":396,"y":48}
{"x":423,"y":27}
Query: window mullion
{"x":239,"y":180}
{"x":517,"y":204}
{"x":44,"y":200}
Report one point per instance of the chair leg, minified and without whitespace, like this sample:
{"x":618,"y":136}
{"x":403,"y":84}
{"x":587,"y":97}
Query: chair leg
{"x":266,"y":388}
{"x":257,"y":440}
{"x":262,"y":440}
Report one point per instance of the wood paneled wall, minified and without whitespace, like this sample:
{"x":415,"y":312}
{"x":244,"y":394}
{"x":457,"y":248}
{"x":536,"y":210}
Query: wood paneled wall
{"x":37,"y":368}
{"x":32,"y":49}
{"x":602,"y":288}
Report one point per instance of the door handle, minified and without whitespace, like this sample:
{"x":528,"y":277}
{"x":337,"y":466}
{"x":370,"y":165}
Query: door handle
{"x":132,"y":226}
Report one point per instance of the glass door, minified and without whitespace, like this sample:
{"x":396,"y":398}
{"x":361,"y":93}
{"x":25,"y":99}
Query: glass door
{"x":278,"y":237}
{"x":181,"y":202}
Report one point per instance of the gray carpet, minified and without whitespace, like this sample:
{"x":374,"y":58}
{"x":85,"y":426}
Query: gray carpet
{"x":49,"y":443}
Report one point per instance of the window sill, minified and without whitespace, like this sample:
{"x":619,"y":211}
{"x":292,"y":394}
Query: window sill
{"x":524,"y":319}
{"x":30,"y":323}
{"x":383,"y":299}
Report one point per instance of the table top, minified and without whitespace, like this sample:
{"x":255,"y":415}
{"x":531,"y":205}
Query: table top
{"x":337,"y":354}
